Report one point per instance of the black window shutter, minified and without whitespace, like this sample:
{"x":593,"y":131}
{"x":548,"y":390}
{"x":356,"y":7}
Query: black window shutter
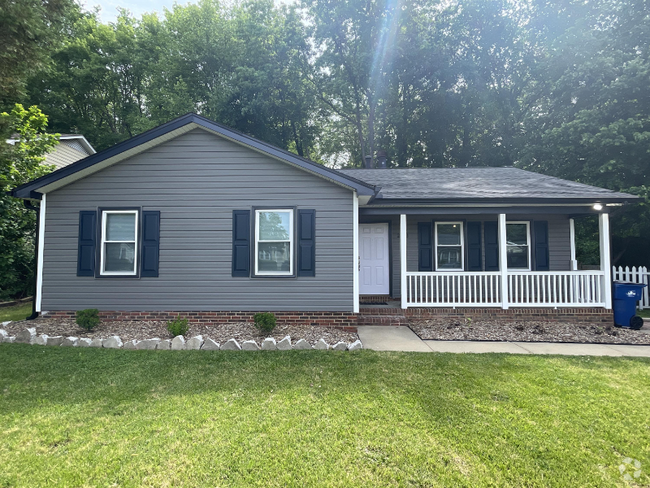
{"x":474,"y":260}
{"x":150,"y":243}
{"x":87,"y":243}
{"x":541,"y":245}
{"x":425,"y":247}
{"x":491,"y":230}
{"x":241,"y":242}
{"x":306,"y":242}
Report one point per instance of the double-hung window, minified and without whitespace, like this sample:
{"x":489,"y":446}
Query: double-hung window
{"x":274,"y":244}
{"x":118,"y":253}
{"x":449,"y":246}
{"x":518,"y":245}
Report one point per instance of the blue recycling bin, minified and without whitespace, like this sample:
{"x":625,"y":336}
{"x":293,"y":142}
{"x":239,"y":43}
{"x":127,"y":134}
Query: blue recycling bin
{"x":626,"y":295}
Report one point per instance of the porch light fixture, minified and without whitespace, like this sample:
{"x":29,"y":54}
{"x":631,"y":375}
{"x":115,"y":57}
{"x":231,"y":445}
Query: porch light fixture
{"x":598,"y":206}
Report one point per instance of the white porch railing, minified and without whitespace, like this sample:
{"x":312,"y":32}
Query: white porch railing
{"x":635,"y":275}
{"x":525,"y":289}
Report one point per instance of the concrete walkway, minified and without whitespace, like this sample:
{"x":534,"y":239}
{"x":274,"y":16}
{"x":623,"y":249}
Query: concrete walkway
{"x":388,"y":338}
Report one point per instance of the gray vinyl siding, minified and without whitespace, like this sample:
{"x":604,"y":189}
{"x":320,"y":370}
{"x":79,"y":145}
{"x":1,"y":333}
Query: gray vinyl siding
{"x":196,"y":181}
{"x":558,"y":233}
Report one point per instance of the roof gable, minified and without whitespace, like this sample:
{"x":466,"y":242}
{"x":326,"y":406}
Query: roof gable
{"x":166,"y":132}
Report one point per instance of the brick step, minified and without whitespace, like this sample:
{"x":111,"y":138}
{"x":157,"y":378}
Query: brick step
{"x":382,"y":320}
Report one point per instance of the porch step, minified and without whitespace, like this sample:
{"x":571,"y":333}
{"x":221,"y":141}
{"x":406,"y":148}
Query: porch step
{"x":381,"y":319}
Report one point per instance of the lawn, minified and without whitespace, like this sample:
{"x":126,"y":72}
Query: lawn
{"x":16,"y":312}
{"x":94,"y":417}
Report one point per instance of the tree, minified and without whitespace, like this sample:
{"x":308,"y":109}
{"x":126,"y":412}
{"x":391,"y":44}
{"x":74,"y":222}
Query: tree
{"x":20,"y":163}
{"x":30,"y":30}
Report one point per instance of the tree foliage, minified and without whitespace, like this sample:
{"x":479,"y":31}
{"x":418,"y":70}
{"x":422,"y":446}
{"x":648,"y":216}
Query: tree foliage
{"x":20,"y":163}
{"x":554,"y":86}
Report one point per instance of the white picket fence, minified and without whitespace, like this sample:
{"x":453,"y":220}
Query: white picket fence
{"x":634,"y":275}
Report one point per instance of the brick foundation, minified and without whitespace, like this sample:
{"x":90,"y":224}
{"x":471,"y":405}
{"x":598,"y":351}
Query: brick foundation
{"x":342,"y":320}
{"x":577,"y":315}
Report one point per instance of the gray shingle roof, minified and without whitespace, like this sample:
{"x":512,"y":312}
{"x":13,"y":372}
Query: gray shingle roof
{"x":477,"y":183}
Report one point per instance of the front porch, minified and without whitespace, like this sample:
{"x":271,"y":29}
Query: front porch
{"x":541,"y":276}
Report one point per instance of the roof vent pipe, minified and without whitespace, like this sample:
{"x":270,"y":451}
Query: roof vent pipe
{"x":382,"y":159}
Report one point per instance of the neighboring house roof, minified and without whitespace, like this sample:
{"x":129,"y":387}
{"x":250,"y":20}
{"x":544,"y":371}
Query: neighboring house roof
{"x":71,"y":148}
{"x":170,"y":130}
{"x":475,"y":184}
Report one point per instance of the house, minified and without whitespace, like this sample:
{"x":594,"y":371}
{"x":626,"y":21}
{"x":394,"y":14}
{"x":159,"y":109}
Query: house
{"x":198,"y":219}
{"x":71,"y":148}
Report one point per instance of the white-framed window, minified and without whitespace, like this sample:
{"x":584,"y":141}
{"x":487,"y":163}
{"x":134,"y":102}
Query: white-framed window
{"x":518,"y":245}
{"x":118,"y":254}
{"x":274,"y":238}
{"x":450,"y":246}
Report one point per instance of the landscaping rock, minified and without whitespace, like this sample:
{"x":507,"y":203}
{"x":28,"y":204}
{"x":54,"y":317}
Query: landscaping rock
{"x":70,"y":341}
{"x":131,"y":344}
{"x":302,"y":344}
{"x":340,"y":346}
{"x":9,"y":340}
{"x":210,"y":345}
{"x":54,"y":341}
{"x":269,"y":344}
{"x":164,"y":345}
{"x":84,"y":342}
{"x":250,"y":346}
{"x":3,"y":334}
{"x":355,"y":346}
{"x":148,"y":344}
{"x":231,"y":345}
{"x":6,"y":323}
{"x":284,"y":344}
{"x":113,"y":342}
{"x":178,"y":343}
{"x":41,"y":340}
{"x":97,"y":342}
{"x":26,"y":336}
{"x":194,"y":343}
{"x":321,"y":344}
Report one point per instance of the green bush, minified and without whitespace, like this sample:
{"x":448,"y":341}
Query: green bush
{"x":265,"y":322}
{"x":88,"y":319}
{"x":178,"y":326}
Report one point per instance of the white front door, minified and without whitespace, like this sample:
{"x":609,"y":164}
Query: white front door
{"x":373,"y":254}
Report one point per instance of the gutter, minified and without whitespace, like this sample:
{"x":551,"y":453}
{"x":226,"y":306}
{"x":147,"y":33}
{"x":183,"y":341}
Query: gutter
{"x":29,"y":206}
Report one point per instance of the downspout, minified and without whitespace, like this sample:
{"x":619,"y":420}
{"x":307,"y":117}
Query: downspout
{"x":38,"y":218}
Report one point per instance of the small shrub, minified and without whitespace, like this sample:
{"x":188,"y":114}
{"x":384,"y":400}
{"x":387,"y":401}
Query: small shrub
{"x":88,"y":319}
{"x":178,"y":326}
{"x":265,"y":322}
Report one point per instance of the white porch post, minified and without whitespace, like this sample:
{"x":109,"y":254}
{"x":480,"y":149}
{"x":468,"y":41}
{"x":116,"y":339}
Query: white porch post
{"x":605,"y":258}
{"x":572,"y":234}
{"x":355,"y":253}
{"x":41,"y":248}
{"x":402,"y":258}
{"x":503,"y":261}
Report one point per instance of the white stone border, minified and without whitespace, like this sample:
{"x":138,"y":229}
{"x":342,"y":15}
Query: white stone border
{"x":178,"y":343}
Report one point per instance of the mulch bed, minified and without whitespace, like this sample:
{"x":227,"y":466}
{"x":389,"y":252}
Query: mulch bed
{"x":148,"y":329}
{"x":525,"y":331}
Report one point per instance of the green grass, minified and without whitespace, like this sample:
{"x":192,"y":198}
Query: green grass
{"x":94,"y":417}
{"x":644,"y":313}
{"x":17,"y":312}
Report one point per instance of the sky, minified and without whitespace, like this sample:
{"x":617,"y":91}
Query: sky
{"x":108,"y":12}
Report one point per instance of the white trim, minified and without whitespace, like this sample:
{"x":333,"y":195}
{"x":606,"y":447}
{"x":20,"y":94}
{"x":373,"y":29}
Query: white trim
{"x":462,"y":245}
{"x":605,"y":257}
{"x":82,"y":139}
{"x":572,"y":237}
{"x":355,"y":254}
{"x":41,"y":252}
{"x":503,"y":261}
{"x":290,"y":211}
{"x":402,"y":259}
{"x":103,"y":241}
{"x":528,"y":240}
